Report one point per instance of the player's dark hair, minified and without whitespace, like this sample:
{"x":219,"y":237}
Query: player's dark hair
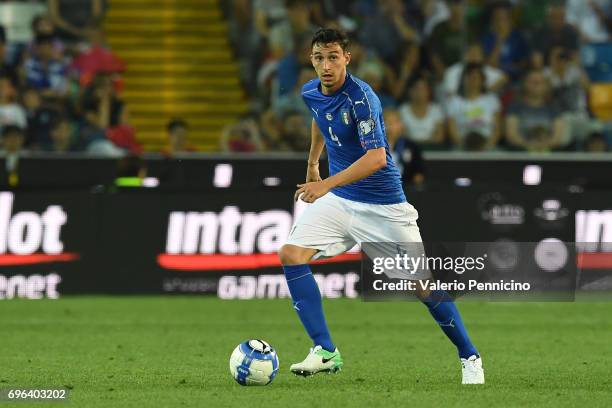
{"x":330,"y":35}
{"x":176,"y":124}
{"x":467,"y":70}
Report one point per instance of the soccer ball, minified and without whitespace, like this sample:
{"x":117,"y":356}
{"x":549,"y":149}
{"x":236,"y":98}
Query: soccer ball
{"x":254,"y":362}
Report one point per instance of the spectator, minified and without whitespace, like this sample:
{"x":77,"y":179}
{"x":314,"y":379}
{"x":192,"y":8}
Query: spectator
{"x":92,"y":138}
{"x":495,"y":78}
{"x":361,"y":57}
{"x":42,"y":25}
{"x":11,"y":113}
{"x":246,"y":41}
{"x":433,"y":13}
{"x":12,"y":144}
{"x":370,"y":74}
{"x":287,"y":35}
{"x":61,"y":136}
{"x":97,"y":60}
{"x":243,"y":137}
{"x":569,"y":82}
{"x":387,"y":30}
{"x":326,"y":12}
{"x":406,"y":154}
{"x":423,"y":120}
{"x":533,"y":13}
{"x":39,"y":117}
{"x":267,"y":14}
{"x":43,"y":71}
{"x":177,"y":132}
{"x":504,"y":45}
{"x":397,"y":76}
{"x":556,"y":33}
{"x":89,"y":127}
{"x":6,"y":69}
{"x":112,"y":111}
{"x":474,"y":111}
{"x":289,"y":67}
{"x":597,"y":143}
{"x":570,"y":85}
{"x":448,"y":39}
{"x":119,"y":139}
{"x":295,"y":132}
{"x":592,"y":19}
{"x":111,"y":116}
{"x":293,"y":100}
{"x":76,"y":19}
{"x":533,"y":123}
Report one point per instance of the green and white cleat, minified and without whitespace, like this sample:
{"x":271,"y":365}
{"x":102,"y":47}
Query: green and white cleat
{"x":318,"y":361}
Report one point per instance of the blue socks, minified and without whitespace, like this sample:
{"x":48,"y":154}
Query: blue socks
{"x":307,"y":302}
{"x":444,"y":311}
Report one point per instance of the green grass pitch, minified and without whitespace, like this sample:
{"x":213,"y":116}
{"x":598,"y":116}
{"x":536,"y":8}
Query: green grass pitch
{"x":174,"y":351}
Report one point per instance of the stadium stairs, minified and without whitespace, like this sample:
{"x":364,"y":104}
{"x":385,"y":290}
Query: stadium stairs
{"x":179,"y":65}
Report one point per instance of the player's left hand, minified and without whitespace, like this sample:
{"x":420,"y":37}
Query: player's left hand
{"x":311,"y":191}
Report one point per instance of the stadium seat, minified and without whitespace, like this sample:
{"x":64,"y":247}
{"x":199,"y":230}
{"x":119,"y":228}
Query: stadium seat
{"x":600,"y":100}
{"x":180,"y":64}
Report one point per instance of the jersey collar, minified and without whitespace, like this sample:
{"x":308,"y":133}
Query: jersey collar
{"x":340,"y":90}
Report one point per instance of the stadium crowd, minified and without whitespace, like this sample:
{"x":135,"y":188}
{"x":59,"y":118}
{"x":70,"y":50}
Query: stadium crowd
{"x":60,"y":91}
{"x":469,"y":75}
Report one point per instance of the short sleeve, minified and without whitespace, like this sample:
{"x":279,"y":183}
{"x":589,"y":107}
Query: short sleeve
{"x":19,"y":116}
{"x":493,"y":102}
{"x":493,"y":75}
{"x":436,"y":114}
{"x":368,"y":112}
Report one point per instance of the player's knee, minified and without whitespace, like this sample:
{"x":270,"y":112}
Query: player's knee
{"x":422,"y":293}
{"x":292,"y":255}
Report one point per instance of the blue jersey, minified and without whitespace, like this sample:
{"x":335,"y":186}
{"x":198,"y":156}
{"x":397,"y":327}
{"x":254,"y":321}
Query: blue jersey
{"x":351,"y":122}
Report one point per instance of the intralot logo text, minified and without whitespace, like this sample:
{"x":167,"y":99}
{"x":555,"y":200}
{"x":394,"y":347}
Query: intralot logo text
{"x":229,"y":239}
{"x":594,"y":230}
{"x":27,"y":232}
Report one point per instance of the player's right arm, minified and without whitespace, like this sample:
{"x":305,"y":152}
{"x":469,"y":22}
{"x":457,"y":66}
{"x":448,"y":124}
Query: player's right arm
{"x":316,"y":148}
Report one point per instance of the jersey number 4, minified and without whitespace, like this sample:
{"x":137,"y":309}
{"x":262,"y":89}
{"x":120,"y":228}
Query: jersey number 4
{"x":333,"y":136}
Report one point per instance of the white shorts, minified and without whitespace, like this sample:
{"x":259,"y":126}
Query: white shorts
{"x":332,"y":225}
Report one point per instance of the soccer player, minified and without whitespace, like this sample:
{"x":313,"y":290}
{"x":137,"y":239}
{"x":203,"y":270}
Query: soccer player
{"x":361,"y":201}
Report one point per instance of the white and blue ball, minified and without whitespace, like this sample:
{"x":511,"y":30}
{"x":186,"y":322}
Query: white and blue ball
{"x":254,"y":362}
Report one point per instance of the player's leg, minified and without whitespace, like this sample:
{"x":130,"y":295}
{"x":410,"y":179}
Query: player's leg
{"x":444,"y":311}
{"x":319,"y":232}
{"x":324,"y":356}
{"x":305,"y":293}
{"x":398,"y":224}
